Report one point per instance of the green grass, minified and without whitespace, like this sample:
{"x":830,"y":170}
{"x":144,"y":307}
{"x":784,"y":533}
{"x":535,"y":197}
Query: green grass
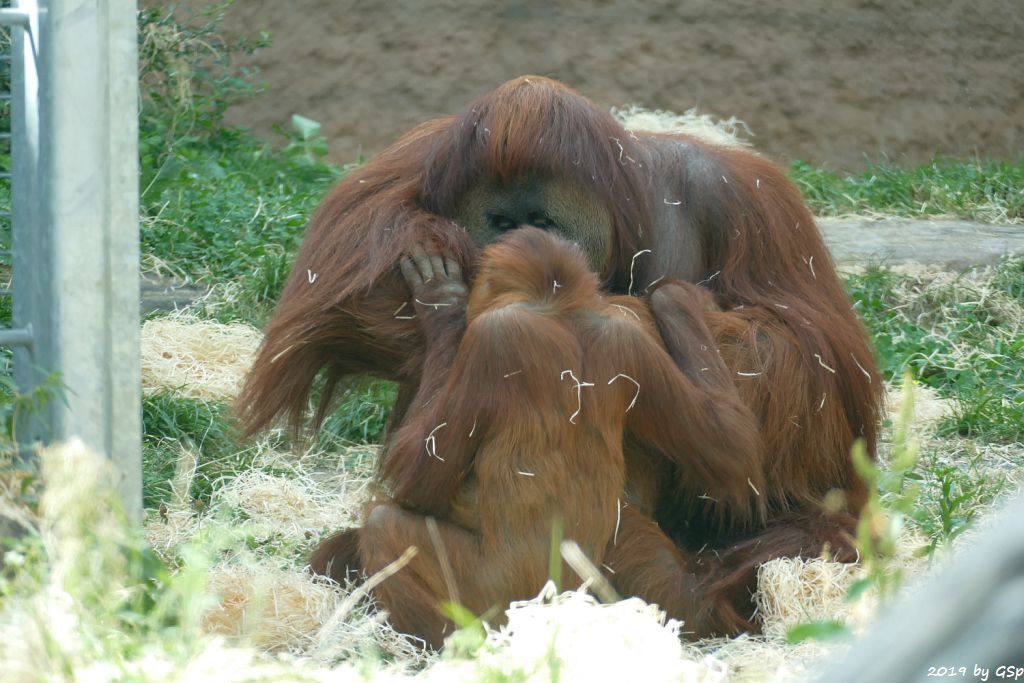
{"x":962,"y":336}
{"x":173,"y":423}
{"x":218,"y":204}
{"x":953,"y":494}
{"x":363,"y":412}
{"x":990,"y":191}
{"x":230,"y":208}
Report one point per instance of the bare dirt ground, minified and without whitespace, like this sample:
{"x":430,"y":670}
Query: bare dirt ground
{"x":830,"y":82}
{"x":833,"y":83}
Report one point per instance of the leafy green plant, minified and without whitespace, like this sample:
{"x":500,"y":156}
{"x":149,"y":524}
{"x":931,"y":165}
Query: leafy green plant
{"x":470,"y":633}
{"x":953,"y":495}
{"x":187,"y":78}
{"x":956,"y":490}
{"x":829,"y":629}
{"x":893,"y":492}
{"x":232,"y":210}
{"x":306,"y":145}
{"x":16,"y":405}
{"x":218,"y":203}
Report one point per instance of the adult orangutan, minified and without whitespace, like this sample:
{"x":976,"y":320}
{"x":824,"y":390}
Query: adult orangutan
{"x":762,"y":298}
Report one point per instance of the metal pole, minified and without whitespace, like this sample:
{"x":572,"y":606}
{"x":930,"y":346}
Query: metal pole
{"x":75,"y":191}
{"x":16,"y":337}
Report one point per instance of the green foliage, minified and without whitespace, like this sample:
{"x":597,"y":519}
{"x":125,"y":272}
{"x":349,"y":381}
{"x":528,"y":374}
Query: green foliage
{"x":989,"y":381}
{"x":1010,"y":278}
{"x":956,"y":491}
{"x":362,"y":413}
{"x":873,"y":293}
{"x":953,"y":495}
{"x":231,"y":210}
{"x":817,"y":630}
{"x":980,"y":190}
{"x":306,"y":147}
{"x":173,"y":424}
{"x":470,"y":633}
{"x":218,"y":203}
{"x":16,"y":405}
{"x":170,"y":424}
{"x":6,"y":304}
{"x":187,"y":77}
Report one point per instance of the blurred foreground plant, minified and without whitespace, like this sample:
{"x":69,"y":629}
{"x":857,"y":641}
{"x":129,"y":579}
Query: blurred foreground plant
{"x":893,"y":492}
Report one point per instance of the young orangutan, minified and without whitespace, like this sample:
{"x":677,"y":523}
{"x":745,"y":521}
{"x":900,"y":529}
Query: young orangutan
{"x":521,"y":420}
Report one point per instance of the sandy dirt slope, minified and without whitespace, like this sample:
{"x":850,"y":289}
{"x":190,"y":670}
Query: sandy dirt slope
{"x":828,"y":81}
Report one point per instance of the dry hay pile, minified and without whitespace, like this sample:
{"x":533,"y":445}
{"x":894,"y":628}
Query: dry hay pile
{"x":727,"y":132}
{"x":196,"y":358}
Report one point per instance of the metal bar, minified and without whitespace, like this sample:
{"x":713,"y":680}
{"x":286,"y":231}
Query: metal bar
{"x":14,"y":17}
{"x":19,"y":336}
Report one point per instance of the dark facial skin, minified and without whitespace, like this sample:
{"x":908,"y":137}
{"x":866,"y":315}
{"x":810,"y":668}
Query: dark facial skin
{"x":559,"y":206}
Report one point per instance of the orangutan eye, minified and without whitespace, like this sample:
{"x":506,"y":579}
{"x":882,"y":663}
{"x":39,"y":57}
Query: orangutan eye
{"x":540,"y":220}
{"x":501,"y":223}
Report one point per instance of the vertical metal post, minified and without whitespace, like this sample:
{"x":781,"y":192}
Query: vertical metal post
{"x":76,"y":248}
